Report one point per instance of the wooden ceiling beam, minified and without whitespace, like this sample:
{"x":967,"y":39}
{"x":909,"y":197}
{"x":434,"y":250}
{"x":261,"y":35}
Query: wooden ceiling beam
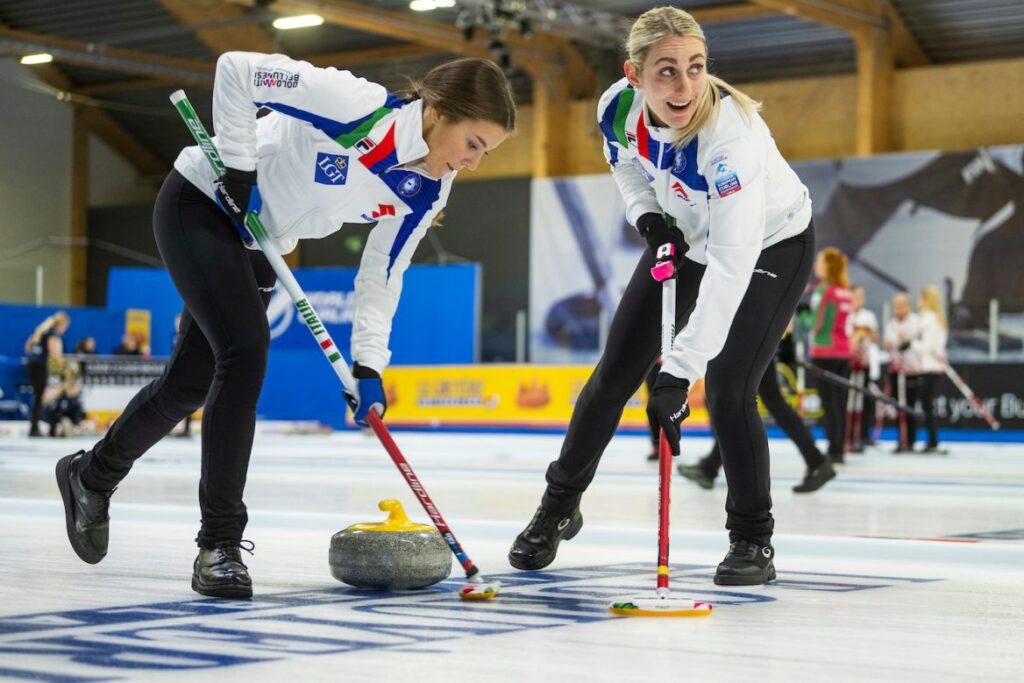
{"x":734,"y":12}
{"x":857,"y":17}
{"x":114,"y":87}
{"x":373,"y":55}
{"x":849,"y":15}
{"x":248,"y":37}
{"x":104,"y":126}
{"x":405,"y":27}
{"x":98,"y":56}
{"x":343,"y":59}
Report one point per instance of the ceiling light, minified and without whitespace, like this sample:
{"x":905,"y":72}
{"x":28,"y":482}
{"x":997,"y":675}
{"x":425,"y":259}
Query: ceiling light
{"x":427,"y":5}
{"x":40,"y":58}
{"x":301,"y":21}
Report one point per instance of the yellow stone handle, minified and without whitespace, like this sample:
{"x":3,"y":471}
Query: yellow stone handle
{"x":396,"y":513}
{"x":397,"y":520}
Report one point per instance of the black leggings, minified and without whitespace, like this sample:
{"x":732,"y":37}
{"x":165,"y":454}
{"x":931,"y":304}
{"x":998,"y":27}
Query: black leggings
{"x":785,"y":417}
{"x":922,"y":388}
{"x":730,"y":384}
{"x":219,"y":359}
{"x":37,"y":377}
{"x":833,"y":403}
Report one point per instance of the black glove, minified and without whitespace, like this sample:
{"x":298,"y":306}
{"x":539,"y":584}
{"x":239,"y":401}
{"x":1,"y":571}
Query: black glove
{"x":655,"y":230}
{"x":668,"y":406}
{"x":238,"y":194}
{"x":371,"y":394}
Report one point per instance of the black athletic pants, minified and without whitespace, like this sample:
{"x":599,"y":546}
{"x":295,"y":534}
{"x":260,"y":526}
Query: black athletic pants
{"x":922,"y":388}
{"x":730,"y":383}
{"x":785,"y":417}
{"x":654,"y":429}
{"x":38,"y":374}
{"x":219,"y":359}
{"x":833,"y":403}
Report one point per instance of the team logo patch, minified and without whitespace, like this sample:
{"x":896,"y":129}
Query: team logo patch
{"x":275,"y":79}
{"x":410,"y":185}
{"x":365,"y":145}
{"x":679,"y":162}
{"x":726,"y":180}
{"x":680,"y":191}
{"x":331,"y":169}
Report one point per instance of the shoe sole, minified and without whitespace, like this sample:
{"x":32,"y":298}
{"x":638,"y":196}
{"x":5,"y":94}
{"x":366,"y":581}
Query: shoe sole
{"x":540,"y":561}
{"x":739,"y":580}
{"x":235,"y":592}
{"x":64,"y":484}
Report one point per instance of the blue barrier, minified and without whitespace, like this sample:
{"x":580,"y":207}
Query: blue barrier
{"x":17,"y":322}
{"x":437,"y":320}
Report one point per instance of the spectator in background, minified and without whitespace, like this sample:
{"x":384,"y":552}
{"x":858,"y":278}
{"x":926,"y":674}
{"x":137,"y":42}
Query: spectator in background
{"x":929,"y":347}
{"x":45,"y":350}
{"x":129,"y":346}
{"x":819,"y":467}
{"x":899,"y":331}
{"x":86,"y":346}
{"x":830,"y":342}
{"x":65,"y":406}
{"x":864,"y":353}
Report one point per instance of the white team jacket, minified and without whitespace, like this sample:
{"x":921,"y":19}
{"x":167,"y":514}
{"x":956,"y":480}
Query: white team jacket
{"x":929,"y":346}
{"x":897,"y":333}
{"x":730,"y":192}
{"x":334,"y":149}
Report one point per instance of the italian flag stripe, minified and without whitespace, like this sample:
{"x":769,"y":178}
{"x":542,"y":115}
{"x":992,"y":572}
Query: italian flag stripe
{"x":385,"y":147}
{"x":326,"y":344}
{"x":334,"y":356}
{"x":621,"y":112}
{"x":642,"y":137}
{"x":351,"y":138}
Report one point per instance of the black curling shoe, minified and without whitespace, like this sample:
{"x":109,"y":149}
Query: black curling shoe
{"x":536,"y":547}
{"x":746,"y":564}
{"x":85,"y":511}
{"x":816,"y":478}
{"x":698,"y":475}
{"x":220,"y":573}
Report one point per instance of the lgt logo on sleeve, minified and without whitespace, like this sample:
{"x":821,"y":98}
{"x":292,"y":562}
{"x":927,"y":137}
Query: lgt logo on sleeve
{"x":331,"y":169}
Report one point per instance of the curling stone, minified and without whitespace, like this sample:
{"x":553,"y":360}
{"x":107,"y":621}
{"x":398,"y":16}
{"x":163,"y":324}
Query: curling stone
{"x":396,"y":554}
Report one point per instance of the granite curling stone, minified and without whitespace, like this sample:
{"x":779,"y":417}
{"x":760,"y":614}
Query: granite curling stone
{"x":396,"y":554}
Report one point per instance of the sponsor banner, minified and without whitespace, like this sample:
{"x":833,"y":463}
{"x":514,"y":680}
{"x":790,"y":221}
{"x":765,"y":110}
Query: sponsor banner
{"x":999,"y":386}
{"x":110,"y":382}
{"x":951,"y":219}
{"x":513,"y":396}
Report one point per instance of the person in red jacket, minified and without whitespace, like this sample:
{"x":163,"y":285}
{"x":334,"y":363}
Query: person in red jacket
{"x":830,"y":341}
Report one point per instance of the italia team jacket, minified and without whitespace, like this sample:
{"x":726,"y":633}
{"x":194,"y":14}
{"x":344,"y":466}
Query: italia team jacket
{"x":729,"y":191}
{"x":334,"y":149}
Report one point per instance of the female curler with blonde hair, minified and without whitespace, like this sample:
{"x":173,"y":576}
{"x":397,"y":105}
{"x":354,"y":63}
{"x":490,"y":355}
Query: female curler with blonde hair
{"x":929,"y":351}
{"x":44,"y":349}
{"x":697,"y":168}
